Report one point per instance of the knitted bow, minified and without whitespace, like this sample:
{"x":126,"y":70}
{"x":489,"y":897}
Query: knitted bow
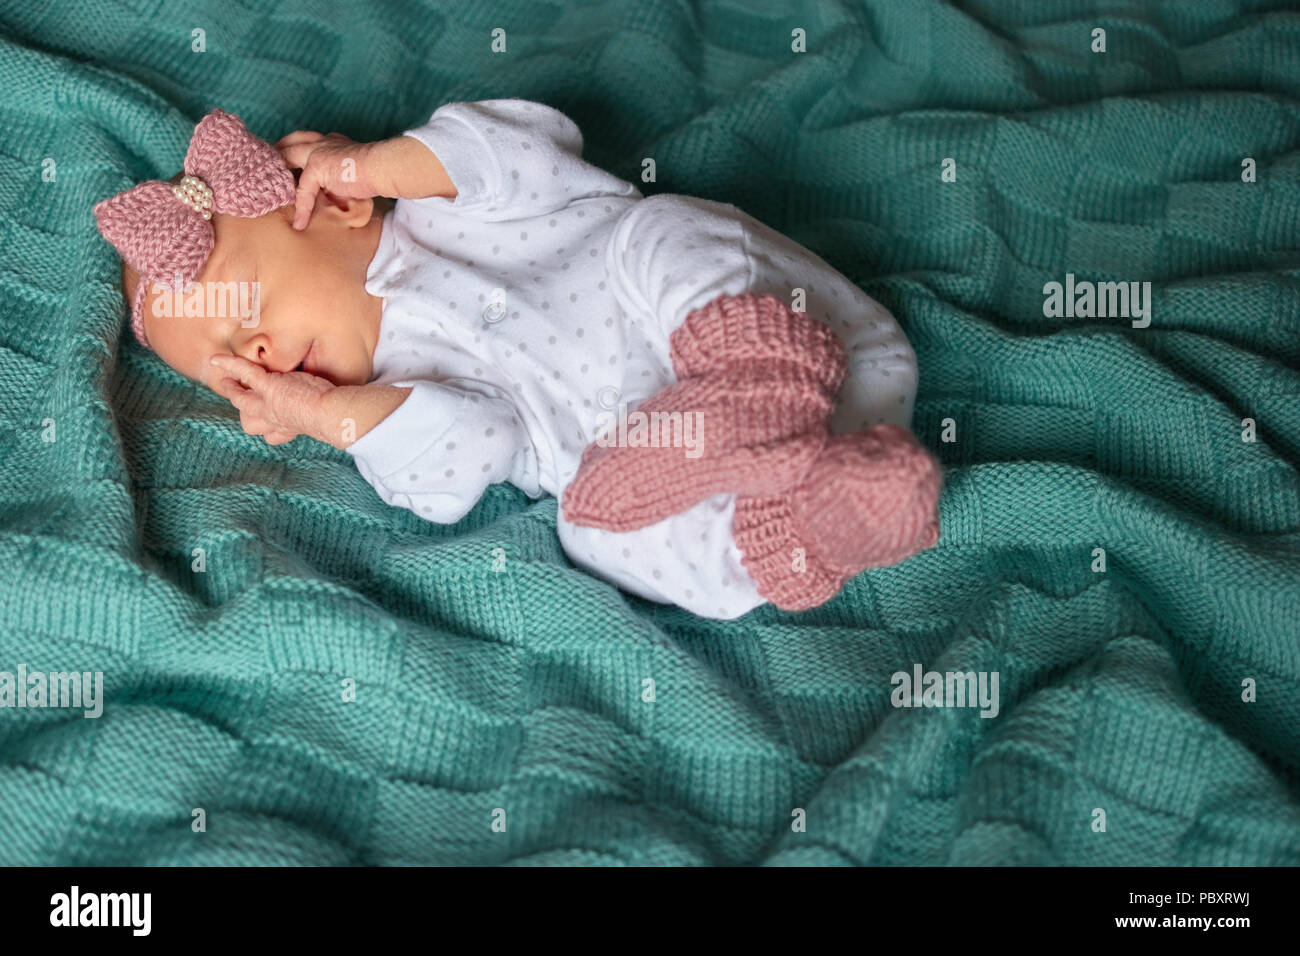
{"x":164,"y":231}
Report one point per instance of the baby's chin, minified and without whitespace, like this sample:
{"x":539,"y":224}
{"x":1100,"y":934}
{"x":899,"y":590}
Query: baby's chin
{"x":342,"y":376}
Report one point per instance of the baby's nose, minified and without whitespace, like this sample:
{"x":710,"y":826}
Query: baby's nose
{"x":261,"y":350}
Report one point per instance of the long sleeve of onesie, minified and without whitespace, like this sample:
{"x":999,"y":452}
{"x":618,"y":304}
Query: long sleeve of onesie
{"x":438,"y":451}
{"x":511,"y":159}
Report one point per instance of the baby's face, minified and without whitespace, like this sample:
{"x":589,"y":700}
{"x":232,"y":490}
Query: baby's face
{"x":311,"y":298}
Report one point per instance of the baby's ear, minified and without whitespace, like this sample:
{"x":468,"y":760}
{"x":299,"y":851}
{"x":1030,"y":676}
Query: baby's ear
{"x":348,"y":212}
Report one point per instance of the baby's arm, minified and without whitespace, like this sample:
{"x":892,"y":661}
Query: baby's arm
{"x":280,"y":406}
{"x":493,"y":160}
{"x":348,"y":412}
{"x":426,"y":446}
{"x":396,"y":168}
{"x":511,"y":159}
{"x":440,"y":449}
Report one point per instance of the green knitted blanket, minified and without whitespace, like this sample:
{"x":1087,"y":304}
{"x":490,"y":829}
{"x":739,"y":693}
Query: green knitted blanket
{"x":294,"y":672}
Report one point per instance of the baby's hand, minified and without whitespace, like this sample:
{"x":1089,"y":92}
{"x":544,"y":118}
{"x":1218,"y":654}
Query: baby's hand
{"x":336,"y":164}
{"x":279,"y":406}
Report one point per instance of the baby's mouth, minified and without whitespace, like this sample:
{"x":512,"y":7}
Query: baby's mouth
{"x":306,"y":365}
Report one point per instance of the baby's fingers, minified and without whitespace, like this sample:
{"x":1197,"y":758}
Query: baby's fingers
{"x":229,"y":389}
{"x":305,"y":200}
{"x":246,"y":401}
{"x":246,"y":373}
{"x":295,"y":155}
{"x":299,"y":136}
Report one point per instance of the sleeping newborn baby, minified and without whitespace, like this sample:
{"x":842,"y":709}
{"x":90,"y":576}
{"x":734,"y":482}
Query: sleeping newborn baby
{"x":723,"y":416}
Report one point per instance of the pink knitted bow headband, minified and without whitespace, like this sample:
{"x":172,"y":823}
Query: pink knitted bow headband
{"x":164,"y":231}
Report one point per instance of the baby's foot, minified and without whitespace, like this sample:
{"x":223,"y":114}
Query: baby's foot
{"x":869,"y":500}
{"x":759,"y":380}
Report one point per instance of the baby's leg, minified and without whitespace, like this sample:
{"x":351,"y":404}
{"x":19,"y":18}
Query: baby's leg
{"x":671,"y":254}
{"x":741,"y":308}
{"x":688,"y":559}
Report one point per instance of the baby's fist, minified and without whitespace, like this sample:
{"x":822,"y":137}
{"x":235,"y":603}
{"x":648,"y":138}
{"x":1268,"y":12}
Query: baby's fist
{"x":279,"y":406}
{"x":335,"y":164}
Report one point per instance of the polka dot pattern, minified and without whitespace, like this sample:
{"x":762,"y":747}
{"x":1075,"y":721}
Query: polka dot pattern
{"x":584,"y":295}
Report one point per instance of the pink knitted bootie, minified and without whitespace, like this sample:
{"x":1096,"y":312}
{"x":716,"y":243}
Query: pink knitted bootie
{"x":869,"y":500}
{"x":756,"y":388}
{"x":734,"y":328}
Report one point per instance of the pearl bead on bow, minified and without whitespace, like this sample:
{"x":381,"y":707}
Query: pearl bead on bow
{"x":196,"y":194}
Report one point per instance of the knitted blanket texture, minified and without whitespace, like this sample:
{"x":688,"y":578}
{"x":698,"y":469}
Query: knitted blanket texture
{"x":331,"y":680}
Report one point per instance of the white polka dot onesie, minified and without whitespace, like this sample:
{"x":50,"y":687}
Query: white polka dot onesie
{"x":525,"y":313}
